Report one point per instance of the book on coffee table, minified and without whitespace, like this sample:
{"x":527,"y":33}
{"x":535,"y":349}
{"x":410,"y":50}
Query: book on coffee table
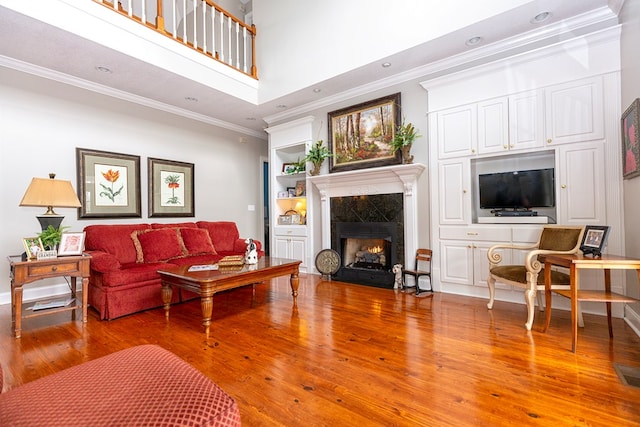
{"x":231,"y":260}
{"x":204,"y":267}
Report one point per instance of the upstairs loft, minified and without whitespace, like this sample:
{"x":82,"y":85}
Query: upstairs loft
{"x":199,"y":24}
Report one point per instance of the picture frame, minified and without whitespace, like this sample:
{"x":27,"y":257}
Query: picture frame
{"x":594,"y":239}
{"x":108,"y":184}
{"x":630,"y":123}
{"x":71,"y":243}
{"x":171,"y":188}
{"x":359,"y":136}
{"x":288,"y":169}
{"x":291,"y":191}
{"x":300,"y":189}
{"x":32,"y":246}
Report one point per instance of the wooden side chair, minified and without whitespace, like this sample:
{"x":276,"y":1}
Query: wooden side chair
{"x":422,"y":268}
{"x":553,"y":240}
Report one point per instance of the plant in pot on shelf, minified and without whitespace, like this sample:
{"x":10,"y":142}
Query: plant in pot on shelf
{"x":405,"y":135}
{"x":51,"y":237}
{"x":316,"y":155}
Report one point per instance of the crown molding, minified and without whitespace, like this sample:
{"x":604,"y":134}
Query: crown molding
{"x":57,"y":76}
{"x":576,"y":27}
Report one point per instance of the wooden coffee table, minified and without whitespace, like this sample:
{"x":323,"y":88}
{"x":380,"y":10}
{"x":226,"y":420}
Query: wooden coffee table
{"x":207,"y":282}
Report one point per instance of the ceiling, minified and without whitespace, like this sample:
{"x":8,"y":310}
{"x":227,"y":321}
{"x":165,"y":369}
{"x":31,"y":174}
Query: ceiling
{"x":61,"y":55}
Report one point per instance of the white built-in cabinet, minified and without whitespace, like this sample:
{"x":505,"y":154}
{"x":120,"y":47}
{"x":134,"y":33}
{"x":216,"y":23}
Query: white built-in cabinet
{"x":564,"y":121}
{"x":290,"y":209}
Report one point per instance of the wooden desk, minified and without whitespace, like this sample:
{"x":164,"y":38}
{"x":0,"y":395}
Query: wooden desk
{"x":24,"y":272}
{"x":575,"y":263}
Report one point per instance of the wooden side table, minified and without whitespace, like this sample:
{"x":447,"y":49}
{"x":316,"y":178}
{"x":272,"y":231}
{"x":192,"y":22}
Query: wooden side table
{"x":25,"y":272}
{"x":577,"y":262}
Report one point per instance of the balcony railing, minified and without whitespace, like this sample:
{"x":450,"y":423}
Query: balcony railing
{"x":198,"y":24}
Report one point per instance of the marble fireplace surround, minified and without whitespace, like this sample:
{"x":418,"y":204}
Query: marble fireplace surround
{"x":381,"y":180}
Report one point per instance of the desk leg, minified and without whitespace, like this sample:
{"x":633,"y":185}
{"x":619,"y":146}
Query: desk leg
{"x":547,"y":295}
{"x":573,"y":278}
{"x":607,"y":289}
{"x":17,"y":298}
{"x":295,"y":283}
{"x":166,"y":298}
{"x":73,"y":296}
{"x":85,"y":298}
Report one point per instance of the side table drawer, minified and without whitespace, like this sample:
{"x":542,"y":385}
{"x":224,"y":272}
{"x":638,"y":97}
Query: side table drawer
{"x":56,"y":269}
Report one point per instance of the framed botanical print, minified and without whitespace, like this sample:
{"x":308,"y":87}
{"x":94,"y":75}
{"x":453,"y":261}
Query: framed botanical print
{"x":171,"y":188}
{"x":108,"y":184}
{"x":630,"y":122}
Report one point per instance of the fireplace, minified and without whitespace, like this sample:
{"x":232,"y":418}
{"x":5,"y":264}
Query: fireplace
{"x":368,"y":252}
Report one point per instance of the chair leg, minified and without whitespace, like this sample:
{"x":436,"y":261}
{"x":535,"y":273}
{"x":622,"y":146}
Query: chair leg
{"x":530,"y":296}
{"x":492,"y":291}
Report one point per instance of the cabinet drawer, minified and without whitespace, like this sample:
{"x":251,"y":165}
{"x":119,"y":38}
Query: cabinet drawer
{"x":57,"y":269}
{"x":488,"y":234}
{"x":300,"y":231}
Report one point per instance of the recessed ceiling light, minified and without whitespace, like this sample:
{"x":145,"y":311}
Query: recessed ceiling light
{"x":473,"y":41}
{"x":103,"y":69}
{"x":191,"y":99}
{"x":281,"y":106}
{"x":386,"y":64}
{"x":317,"y":90}
{"x":540,"y":18}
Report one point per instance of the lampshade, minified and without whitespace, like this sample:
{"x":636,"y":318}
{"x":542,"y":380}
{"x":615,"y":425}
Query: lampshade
{"x":50,"y":193}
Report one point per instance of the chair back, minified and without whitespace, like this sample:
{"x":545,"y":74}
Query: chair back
{"x":423,"y":256}
{"x":561,"y":238}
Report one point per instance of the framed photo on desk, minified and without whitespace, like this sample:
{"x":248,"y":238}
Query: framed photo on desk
{"x":594,"y":239}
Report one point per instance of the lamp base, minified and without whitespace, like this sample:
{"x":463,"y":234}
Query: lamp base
{"x":47,"y":220}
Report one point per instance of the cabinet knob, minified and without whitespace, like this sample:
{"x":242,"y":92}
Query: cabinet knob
{"x":464,"y":191}
{"x":469,"y":246}
{"x":505,"y":146}
{"x":473,"y":150}
{"x":549,"y":141}
{"x":54,"y":268}
{"x":563,"y":186}
{"x":510,"y":145}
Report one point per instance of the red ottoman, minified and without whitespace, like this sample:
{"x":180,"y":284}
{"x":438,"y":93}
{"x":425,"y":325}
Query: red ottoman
{"x":140,"y":386}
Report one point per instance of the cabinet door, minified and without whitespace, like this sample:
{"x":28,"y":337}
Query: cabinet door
{"x":526,"y":120}
{"x":454,"y":192}
{"x":456,"y":262}
{"x":281,"y":247}
{"x":493,"y":127}
{"x":457,"y":131}
{"x":574,"y":112}
{"x":298,"y":249}
{"x":582,"y":185}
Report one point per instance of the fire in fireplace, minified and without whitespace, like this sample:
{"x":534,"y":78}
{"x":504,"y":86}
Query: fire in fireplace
{"x":368,"y":252}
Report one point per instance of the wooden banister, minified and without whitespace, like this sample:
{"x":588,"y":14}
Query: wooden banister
{"x":206,"y":28}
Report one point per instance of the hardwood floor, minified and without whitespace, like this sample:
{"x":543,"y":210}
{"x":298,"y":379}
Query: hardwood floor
{"x":355,"y":355}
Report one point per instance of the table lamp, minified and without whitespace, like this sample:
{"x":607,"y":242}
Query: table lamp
{"x":50,"y":193}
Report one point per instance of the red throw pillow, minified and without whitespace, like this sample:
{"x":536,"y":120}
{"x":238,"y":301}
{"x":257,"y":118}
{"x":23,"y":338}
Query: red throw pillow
{"x":197,"y":241}
{"x":157,"y":245}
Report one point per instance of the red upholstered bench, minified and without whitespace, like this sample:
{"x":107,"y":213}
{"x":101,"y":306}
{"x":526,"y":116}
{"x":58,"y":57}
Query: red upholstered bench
{"x":143,"y":385}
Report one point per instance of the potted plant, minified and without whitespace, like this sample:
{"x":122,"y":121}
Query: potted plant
{"x":316,"y":155}
{"x":51,"y":237}
{"x":402,"y":140}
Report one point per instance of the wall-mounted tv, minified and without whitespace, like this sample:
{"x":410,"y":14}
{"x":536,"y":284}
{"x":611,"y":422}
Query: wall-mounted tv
{"x":517,"y":190}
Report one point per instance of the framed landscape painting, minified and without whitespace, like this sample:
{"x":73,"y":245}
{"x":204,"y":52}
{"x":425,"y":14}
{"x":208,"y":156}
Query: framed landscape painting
{"x":360,"y":136}
{"x":171,"y":192}
{"x":108,"y":184}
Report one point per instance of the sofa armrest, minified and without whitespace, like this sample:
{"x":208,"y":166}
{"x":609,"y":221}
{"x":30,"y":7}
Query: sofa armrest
{"x":103,"y":262}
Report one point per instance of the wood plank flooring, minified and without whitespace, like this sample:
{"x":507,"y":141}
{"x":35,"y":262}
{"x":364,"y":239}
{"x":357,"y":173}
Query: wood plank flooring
{"x":347,"y":354}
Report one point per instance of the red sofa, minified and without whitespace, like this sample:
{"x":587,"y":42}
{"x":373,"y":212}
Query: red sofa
{"x":142,"y":385}
{"x":126,"y":258}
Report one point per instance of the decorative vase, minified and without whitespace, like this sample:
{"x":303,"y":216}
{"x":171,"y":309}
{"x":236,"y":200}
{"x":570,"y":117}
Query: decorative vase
{"x":316,"y":169}
{"x":406,"y":154}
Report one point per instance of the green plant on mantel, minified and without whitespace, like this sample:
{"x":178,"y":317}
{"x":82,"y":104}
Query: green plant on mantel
{"x":51,"y":236}
{"x":405,"y":135}
{"x":317,"y":155}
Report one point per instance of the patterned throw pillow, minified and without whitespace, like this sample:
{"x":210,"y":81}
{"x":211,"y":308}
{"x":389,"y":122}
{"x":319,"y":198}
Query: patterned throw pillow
{"x":157,"y":245}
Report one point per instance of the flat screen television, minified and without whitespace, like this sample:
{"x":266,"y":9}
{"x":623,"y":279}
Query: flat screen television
{"x":517,"y":190}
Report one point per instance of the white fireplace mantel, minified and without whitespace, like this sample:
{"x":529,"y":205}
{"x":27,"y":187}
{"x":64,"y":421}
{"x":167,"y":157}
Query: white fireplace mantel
{"x":382,"y":180}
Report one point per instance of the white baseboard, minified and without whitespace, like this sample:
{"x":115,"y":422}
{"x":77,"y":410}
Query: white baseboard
{"x":632,"y":317}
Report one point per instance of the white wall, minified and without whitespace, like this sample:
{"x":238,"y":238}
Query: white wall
{"x":42,"y":122}
{"x":630,"y":19}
